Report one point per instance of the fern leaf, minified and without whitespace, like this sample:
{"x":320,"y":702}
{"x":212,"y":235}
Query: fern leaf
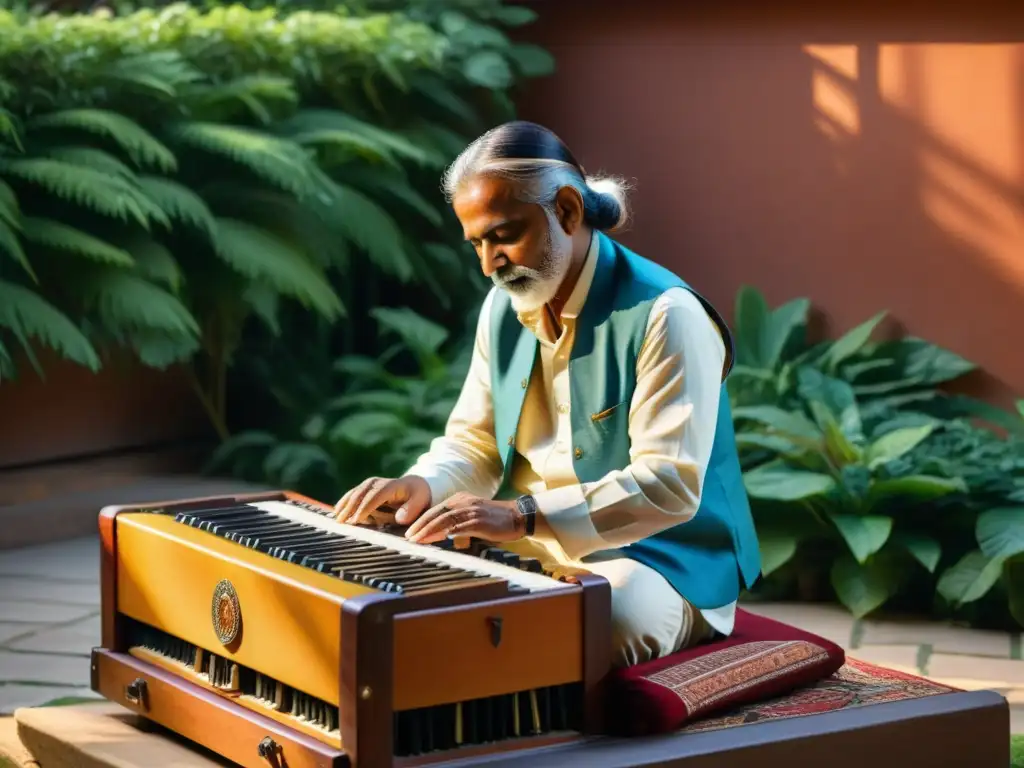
{"x":27,"y":315}
{"x":90,"y":157}
{"x":306,"y":225}
{"x":154,"y":262}
{"x":281,"y":162}
{"x":253,"y":92}
{"x":61,"y":237}
{"x":259,"y":255}
{"x":160,"y":74}
{"x":11,"y":246}
{"x":100,"y":192}
{"x":9,"y":130}
{"x":335,"y":147}
{"x":373,"y":230}
{"x":179,"y":202}
{"x":156,"y":349}
{"x":141,"y":146}
{"x":265,"y":303}
{"x":391,"y":187}
{"x":129,"y":303}
{"x":10,"y":211}
{"x":7,"y":369}
{"x":309,"y":120}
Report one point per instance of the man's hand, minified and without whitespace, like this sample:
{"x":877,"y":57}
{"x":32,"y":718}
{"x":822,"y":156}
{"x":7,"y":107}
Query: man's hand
{"x":410,"y":494}
{"x":467,"y":515}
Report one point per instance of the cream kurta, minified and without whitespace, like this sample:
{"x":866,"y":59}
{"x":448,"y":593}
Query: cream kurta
{"x":672,"y":420}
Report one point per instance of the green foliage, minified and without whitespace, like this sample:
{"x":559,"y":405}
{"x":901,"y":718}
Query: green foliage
{"x":369,"y":416}
{"x":867,"y":481}
{"x":170,"y":174}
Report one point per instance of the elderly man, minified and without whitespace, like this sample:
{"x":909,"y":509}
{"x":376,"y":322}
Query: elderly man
{"x":593,"y":430}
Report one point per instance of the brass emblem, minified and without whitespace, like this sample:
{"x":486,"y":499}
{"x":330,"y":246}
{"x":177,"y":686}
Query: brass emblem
{"x":226,"y":614}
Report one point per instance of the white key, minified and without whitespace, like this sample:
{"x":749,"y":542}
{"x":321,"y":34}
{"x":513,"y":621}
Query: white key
{"x":535,"y":582}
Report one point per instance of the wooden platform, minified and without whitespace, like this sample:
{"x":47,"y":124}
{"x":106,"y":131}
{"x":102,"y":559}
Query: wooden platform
{"x":101,"y":735}
{"x":943,"y":731}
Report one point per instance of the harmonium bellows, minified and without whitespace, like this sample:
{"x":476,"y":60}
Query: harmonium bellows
{"x":262,"y":629}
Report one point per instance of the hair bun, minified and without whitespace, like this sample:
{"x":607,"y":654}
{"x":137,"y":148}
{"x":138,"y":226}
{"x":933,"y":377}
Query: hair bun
{"x":607,"y":209}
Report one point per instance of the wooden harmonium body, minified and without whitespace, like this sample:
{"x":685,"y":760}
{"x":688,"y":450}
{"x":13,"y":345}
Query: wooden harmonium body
{"x":264,"y":630}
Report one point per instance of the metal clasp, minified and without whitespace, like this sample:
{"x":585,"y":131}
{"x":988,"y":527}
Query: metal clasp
{"x":135,"y":691}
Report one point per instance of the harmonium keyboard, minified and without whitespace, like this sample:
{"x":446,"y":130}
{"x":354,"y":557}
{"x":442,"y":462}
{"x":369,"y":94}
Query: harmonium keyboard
{"x":261,"y":628}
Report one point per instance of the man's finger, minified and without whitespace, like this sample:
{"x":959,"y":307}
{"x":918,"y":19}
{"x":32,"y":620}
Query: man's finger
{"x":345,"y":504}
{"x":452,"y":521}
{"x":381,"y":493}
{"x":352,"y":506}
{"x":412,"y":509}
{"x":429,"y":516}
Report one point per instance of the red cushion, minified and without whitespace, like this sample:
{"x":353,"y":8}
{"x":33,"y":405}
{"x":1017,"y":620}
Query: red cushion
{"x":762,"y":658}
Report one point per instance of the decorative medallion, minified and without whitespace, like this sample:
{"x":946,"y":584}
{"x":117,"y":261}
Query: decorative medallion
{"x":226,"y":614}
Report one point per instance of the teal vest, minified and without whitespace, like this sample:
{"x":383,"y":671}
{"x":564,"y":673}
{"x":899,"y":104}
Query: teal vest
{"x":710,"y":558}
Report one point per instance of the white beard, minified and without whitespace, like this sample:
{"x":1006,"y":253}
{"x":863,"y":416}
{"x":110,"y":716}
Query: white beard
{"x":538,"y":286}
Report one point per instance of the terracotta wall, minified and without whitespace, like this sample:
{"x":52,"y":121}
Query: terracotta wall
{"x":75,"y":413}
{"x":864,"y":156}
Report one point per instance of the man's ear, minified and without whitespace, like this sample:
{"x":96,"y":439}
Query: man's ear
{"x":569,"y":209}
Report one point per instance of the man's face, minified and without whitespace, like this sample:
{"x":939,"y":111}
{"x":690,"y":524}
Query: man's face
{"x":520,"y":245}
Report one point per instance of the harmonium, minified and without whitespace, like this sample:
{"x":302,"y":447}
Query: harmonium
{"x":262,"y":629}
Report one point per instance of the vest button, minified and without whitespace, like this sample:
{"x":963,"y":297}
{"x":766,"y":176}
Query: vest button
{"x":523,"y":383}
{"x":578,"y":453}
{"x":511,"y":441}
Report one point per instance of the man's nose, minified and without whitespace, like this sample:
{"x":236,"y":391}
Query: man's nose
{"x":490,"y":259}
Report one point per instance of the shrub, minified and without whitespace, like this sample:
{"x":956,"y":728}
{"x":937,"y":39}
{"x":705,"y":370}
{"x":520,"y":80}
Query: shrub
{"x":867,"y":480}
{"x":168,"y":174}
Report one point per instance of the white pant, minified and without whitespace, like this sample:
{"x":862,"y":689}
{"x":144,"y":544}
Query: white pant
{"x":649,"y":618}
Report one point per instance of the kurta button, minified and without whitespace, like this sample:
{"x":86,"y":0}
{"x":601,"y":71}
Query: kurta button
{"x":563,"y":408}
{"x":578,"y":453}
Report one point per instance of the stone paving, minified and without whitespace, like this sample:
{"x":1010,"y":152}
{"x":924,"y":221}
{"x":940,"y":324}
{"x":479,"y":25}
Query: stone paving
{"x":49,"y":622}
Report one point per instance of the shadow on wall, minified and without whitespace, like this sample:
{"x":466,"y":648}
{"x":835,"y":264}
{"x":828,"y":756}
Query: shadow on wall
{"x":801,"y":152}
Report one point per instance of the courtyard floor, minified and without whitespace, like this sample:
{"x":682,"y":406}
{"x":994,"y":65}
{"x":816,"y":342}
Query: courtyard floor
{"x":50,"y":620}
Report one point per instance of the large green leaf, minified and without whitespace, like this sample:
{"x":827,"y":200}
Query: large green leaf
{"x":915,"y":488}
{"x":778,"y":482}
{"x":792,"y":424}
{"x":860,"y":587}
{"x":925,"y":549}
{"x":834,"y":396}
{"x":1013,"y":573}
{"x":488,"y":69}
{"x":897,"y":443}
{"x":851,"y":342}
{"x":749,"y":327}
{"x":970,"y":578}
{"x":1000,"y":532}
{"x":777,"y":549}
{"x":864,"y":534}
{"x":291,"y":461}
{"x":27,"y":315}
{"x":532,"y":60}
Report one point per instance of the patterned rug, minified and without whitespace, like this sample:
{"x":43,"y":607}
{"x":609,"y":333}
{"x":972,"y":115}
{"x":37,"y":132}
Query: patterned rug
{"x":856,"y":684}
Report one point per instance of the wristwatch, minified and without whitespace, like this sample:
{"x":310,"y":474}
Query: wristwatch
{"x":528,"y":509}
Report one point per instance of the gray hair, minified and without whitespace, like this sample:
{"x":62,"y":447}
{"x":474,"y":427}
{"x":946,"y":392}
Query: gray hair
{"x":538,"y":179}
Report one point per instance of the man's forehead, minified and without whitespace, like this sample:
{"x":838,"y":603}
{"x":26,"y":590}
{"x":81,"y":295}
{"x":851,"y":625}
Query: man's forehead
{"x":485,"y":203}
{"x":488,"y":192}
